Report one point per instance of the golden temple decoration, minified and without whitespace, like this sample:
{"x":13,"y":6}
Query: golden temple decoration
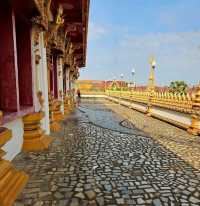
{"x":41,"y":100}
{"x":34,"y":137}
{"x":37,"y":56}
{"x":42,"y":19}
{"x":54,"y":26}
{"x":55,"y":114}
{"x":66,"y":105}
{"x":60,"y":94}
{"x":12,"y":181}
{"x":36,"y":38}
{"x":183,"y":103}
{"x":195,"y":124}
{"x":48,"y":9}
{"x":59,"y":18}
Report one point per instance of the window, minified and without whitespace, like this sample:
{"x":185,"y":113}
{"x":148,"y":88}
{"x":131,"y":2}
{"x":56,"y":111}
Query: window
{"x":23,"y":37}
{"x":8,"y":87}
{"x":15,"y":64}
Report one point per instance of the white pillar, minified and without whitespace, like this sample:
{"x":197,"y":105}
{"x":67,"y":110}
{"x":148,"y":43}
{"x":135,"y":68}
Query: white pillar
{"x":67,"y":78}
{"x":40,"y":78}
{"x":44,"y":85}
{"x":60,"y":80}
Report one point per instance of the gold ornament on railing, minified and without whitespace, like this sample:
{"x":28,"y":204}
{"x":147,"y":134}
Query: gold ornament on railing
{"x":196,"y":100}
{"x":195,"y":125}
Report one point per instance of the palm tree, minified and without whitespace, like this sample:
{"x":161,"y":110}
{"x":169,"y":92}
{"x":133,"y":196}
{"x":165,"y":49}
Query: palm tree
{"x":178,"y":87}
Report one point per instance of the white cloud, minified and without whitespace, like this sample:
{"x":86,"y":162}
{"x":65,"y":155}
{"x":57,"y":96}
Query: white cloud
{"x":177,"y":56}
{"x":97,"y":31}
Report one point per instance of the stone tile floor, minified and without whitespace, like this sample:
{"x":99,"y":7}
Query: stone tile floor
{"x":177,"y":140}
{"x":95,"y":163}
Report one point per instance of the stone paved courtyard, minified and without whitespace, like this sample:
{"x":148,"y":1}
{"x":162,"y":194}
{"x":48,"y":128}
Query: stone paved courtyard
{"x":101,"y":159}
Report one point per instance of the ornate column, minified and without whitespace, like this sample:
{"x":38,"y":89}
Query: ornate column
{"x":53,"y":106}
{"x":195,"y":117}
{"x":60,"y":81}
{"x":35,"y":138}
{"x":12,"y":181}
{"x":49,"y":67}
{"x":151,"y":86}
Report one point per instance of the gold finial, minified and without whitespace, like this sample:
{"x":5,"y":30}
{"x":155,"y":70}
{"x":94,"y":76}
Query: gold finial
{"x":152,"y":61}
{"x":196,"y":100}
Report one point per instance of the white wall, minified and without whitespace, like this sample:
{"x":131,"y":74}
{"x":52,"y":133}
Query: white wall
{"x":173,"y":115}
{"x":13,"y":147}
{"x":177,"y":118}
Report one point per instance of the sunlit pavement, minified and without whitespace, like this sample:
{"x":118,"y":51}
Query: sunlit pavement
{"x":100,"y":159}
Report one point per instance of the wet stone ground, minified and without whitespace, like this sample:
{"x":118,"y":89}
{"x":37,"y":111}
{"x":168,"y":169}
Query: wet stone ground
{"x":99,"y":159}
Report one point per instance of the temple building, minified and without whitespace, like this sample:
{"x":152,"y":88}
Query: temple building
{"x":43,"y":46}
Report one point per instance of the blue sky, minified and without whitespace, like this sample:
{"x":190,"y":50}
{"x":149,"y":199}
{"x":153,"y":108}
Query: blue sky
{"x":123,"y":34}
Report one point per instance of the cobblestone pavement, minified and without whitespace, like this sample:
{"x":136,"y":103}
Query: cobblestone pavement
{"x":177,"y":140}
{"x":97,"y":163}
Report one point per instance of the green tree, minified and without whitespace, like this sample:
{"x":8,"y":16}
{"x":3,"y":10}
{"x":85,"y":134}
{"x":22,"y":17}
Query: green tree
{"x":178,"y":87}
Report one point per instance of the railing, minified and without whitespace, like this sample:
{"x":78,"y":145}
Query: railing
{"x":177,"y":102}
{"x":185,"y":107}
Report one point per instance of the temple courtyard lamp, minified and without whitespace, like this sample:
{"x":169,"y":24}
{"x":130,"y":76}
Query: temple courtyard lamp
{"x":133,"y":78}
{"x":151,"y":85}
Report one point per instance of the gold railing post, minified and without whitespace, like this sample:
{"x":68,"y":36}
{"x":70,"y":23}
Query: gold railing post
{"x":195,"y":117}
